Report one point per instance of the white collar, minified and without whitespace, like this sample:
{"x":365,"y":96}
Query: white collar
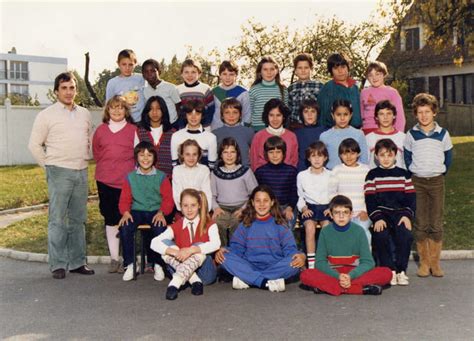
{"x":195,"y":222}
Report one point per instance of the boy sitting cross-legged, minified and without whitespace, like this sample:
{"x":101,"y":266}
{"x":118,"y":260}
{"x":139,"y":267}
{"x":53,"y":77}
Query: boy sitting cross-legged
{"x":344,"y":264}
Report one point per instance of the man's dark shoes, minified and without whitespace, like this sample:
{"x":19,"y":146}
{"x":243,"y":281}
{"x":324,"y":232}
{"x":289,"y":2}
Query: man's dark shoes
{"x":197,"y":288}
{"x":372,"y":290}
{"x":171,"y":293}
{"x":59,"y":274}
{"x":309,"y":288}
{"x":83,"y":270}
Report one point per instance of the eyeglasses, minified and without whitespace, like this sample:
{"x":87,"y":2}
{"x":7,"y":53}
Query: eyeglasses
{"x":341,"y":213}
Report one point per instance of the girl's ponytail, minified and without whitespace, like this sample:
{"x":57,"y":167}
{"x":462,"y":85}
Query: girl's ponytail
{"x":204,"y":217}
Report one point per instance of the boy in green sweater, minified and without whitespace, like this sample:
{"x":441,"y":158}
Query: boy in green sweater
{"x":344,"y":264}
{"x":146,"y":198}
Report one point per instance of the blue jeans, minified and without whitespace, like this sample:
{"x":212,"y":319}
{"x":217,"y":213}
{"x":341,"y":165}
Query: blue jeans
{"x":127,"y":233}
{"x":67,"y":191}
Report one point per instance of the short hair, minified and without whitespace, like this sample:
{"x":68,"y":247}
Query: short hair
{"x":153,"y":62}
{"x":377,"y":66}
{"x":141,"y":147}
{"x":387,"y":144}
{"x":341,"y":201}
{"x":318,"y":148}
{"x":64,"y":77}
{"x":349,"y":145}
{"x":337,"y":59}
{"x":229,"y":142}
{"x":116,"y":100}
{"x":193,"y":104}
{"x":188,"y":143}
{"x":272,"y":104}
{"x":385,"y":104}
{"x":309,"y":103}
{"x":423,"y":99}
{"x":228,"y":65}
{"x":191,"y":63}
{"x":272,"y":143}
{"x":127,"y":53}
{"x":165,"y":115}
{"x":303,"y":57}
{"x":231,"y":102}
{"x":341,"y":103}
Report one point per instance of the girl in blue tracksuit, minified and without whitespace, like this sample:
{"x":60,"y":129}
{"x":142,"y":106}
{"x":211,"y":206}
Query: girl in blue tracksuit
{"x":262,"y":251}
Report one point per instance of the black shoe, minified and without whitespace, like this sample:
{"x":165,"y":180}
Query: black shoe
{"x":308,"y":288}
{"x":171,"y":293}
{"x":83,"y":270}
{"x":372,"y":290}
{"x":197,"y":288}
{"x":59,"y":274}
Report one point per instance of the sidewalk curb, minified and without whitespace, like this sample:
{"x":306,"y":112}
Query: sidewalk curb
{"x":43,"y":258}
{"x":37,"y":207}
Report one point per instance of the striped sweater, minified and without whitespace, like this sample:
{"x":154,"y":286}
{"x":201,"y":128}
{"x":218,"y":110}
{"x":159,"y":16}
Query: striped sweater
{"x":282,"y":180}
{"x":389,"y":189}
{"x":199,"y":91}
{"x":260,"y":94}
{"x":264,"y":243}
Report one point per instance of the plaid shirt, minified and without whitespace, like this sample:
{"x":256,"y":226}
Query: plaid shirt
{"x":299,"y":91}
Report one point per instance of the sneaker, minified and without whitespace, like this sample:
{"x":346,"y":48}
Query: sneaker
{"x":238,"y":284}
{"x":276,"y":285}
{"x":394,"y":278}
{"x":197,"y":288}
{"x":402,"y":279}
{"x":171,"y":293}
{"x":114,"y":266}
{"x":159,"y":275}
{"x":128,"y":274}
{"x":372,"y":290}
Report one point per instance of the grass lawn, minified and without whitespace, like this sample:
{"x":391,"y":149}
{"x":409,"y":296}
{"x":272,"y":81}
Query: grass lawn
{"x":26,"y":185}
{"x":31,"y":234}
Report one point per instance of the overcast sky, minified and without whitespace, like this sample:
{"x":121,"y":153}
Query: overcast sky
{"x":154,"y":29}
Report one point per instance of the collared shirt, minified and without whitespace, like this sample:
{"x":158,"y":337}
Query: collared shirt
{"x":159,"y":245}
{"x":152,"y":172}
{"x":61,"y":137}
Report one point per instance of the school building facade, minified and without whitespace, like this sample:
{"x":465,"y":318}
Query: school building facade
{"x":25,"y":75}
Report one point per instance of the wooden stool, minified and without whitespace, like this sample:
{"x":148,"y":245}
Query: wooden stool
{"x":142,"y":229}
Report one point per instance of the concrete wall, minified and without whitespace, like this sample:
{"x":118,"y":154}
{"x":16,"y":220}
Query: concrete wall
{"x":15,"y":129}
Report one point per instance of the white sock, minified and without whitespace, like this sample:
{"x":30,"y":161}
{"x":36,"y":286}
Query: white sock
{"x":113,"y":241}
{"x":177,"y":281}
{"x":194,"y":278}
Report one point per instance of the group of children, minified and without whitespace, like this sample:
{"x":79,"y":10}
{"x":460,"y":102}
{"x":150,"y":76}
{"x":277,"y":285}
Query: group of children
{"x":232,"y":181}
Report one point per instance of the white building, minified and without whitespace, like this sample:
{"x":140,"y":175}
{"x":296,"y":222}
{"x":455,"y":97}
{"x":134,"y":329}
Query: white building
{"x":29,"y":75}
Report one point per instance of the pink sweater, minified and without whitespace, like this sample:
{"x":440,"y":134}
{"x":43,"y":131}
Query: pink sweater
{"x":113,"y":153}
{"x":257,"y":154}
{"x":370,"y":96}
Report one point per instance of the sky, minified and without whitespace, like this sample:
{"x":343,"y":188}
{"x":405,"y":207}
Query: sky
{"x":153,"y":29}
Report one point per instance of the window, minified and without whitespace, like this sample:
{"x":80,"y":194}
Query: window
{"x":459,"y":89}
{"x":412,"y":39}
{"x":19,"y":89}
{"x":3,"y":69}
{"x":3,"y":91}
{"x":19,"y":70}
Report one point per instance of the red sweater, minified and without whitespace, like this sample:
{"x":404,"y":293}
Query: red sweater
{"x":113,"y":153}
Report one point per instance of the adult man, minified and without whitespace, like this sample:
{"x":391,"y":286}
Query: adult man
{"x":60,"y":141}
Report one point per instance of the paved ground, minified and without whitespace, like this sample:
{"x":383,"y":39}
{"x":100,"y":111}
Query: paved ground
{"x":33,"y":306}
{"x":7,"y":219}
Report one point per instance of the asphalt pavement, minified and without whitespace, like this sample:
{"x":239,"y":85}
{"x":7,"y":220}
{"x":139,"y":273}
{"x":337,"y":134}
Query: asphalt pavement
{"x":34,"y":306}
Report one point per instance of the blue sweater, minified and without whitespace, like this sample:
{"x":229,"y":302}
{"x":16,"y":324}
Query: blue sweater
{"x":263,"y":243}
{"x":332,"y":138}
{"x":306,"y":135}
{"x":282,"y":180}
